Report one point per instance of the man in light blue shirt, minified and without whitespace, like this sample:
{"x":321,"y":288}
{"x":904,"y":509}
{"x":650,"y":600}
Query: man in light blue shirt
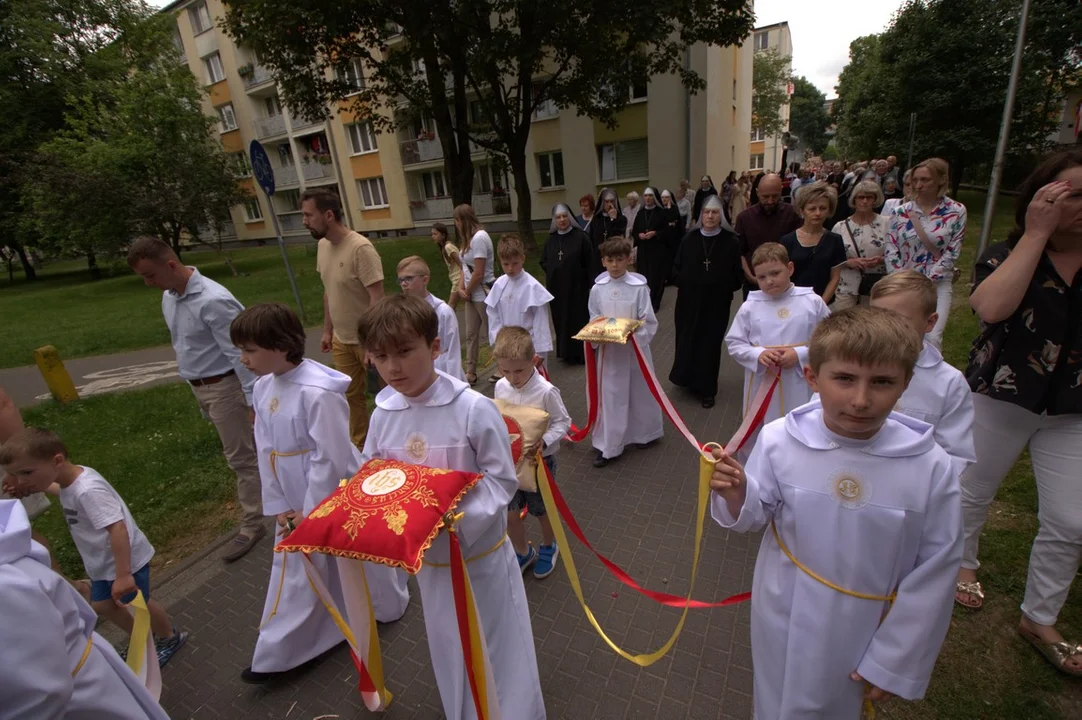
{"x":198,"y":312}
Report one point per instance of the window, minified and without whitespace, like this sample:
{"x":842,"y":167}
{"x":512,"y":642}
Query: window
{"x":486,"y":180}
{"x":241,"y":167}
{"x":252,"y":211}
{"x":544,"y":109}
{"x":638,"y":90}
{"x":418,"y":65}
{"x":433,"y":185}
{"x":291,"y":199}
{"x":227,"y":119}
{"x":213,"y":65}
{"x":551,"y":167}
{"x":361,"y":138}
{"x":757,"y":135}
{"x":285,"y":155}
{"x":761,"y":40}
{"x":178,"y":41}
{"x":373,"y":193}
{"x":477,"y":114}
{"x":199,"y":16}
{"x":424,"y":127}
{"x":757,"y":162}
{"x":351,"y":74}
{"x":623,"y":160}
{"x":272,"y":105}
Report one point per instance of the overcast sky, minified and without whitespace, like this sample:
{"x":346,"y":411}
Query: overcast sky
{"x":822,"y":31}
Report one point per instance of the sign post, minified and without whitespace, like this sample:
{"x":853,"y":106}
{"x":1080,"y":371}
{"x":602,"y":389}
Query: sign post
{"x":264,"y":176}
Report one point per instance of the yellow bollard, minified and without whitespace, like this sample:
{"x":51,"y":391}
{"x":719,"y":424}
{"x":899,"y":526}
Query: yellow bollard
{"x":55,"y":374}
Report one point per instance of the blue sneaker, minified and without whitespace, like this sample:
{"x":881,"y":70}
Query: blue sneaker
{"x":546,"y":560}
{"x":525,"y":561}
{"x":167,"y":647}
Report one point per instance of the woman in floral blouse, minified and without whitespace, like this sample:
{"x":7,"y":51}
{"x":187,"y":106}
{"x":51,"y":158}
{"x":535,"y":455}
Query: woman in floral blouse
{"x":1025,"y":370}
{"x":932,"y":246}
{"x":864,"y":234}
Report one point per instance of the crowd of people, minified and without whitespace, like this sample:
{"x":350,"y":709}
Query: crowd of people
{"x":872,"y":461}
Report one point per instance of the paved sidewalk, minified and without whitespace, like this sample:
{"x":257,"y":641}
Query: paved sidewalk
{"x":639,"y":511}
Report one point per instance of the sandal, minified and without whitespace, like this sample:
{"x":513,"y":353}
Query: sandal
{"x":973,"y":589}
{"x":471,"y":378}
{"x":1057,"y":653}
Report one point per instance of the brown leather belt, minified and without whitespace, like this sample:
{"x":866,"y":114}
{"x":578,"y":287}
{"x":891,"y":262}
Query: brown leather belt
{"x":212,"y":380}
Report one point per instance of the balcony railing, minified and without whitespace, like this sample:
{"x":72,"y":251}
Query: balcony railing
{"x":489,"y":204}
{"x":291,"y":222}
{"x":419,"y":151}
{"x":285,"y":175}
{"x":441,"y":208}
{"x":270,"y":126}
{"x":207,"y":234}
{"x":314,"y":170}
{"x":259,"y":76}
{"x":300,"y":123}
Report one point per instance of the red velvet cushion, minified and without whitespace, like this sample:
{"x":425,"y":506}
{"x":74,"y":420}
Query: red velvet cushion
{"x":389,"y":513}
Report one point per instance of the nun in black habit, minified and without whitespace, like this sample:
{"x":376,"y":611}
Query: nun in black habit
{"x":608,"y":222}
{"x":708,"y":272}
{"x":706,"y":189}
{"x":569,"y":263}
{"x":648,"y":234}
{"x":675,"y":230}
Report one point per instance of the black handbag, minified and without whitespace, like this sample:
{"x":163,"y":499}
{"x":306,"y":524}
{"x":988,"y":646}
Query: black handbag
{"x":867,"y":279}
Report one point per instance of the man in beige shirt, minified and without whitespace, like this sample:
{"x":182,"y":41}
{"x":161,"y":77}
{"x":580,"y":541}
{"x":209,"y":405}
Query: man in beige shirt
{"x":352,"y":275}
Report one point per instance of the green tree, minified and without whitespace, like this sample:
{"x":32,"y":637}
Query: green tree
{"x":808,"y":116}
{"x":136,"y":157}
{"x":770,"y":76}
{"x":480,"y":68}
{"x":958,"y":113}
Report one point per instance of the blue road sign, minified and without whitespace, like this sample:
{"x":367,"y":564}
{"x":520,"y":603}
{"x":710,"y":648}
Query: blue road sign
{"x":261,"y":167}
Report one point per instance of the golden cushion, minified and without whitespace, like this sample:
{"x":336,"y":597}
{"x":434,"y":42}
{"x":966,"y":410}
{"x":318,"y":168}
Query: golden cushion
{"x":526,"y":426}
{"x":608,"y":330}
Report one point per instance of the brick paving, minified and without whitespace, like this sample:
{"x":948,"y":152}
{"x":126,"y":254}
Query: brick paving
{"x":638,"y":510}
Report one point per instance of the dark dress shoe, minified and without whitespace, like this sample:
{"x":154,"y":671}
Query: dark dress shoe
{"x":252,"y":677}
{"x":643,"y":446}
{"x":708,"y":402}
{"x":601,"y":461}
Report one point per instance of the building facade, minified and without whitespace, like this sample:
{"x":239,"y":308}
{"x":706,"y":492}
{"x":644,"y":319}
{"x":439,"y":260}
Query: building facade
{"x":765,"y":151}
{"x":394,"y":183}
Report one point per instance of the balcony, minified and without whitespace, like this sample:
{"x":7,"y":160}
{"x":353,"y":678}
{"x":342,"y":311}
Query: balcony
{"x":285,"y":175}
{"x":269,"y":126}
{"x":300,"y":123}
{"x":259,"y":76}
{"x":489,"y":204}
{"x":207,"y":234}
{"x":291,"y":223}
{"x":419,"y":151}
{"x":431,"y":209}
{"x":316,"y":170}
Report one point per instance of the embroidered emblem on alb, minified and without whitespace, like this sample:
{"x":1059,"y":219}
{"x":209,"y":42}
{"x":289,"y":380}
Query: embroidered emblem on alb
{"x":273,"y":405}
{"x":849,"y":490}
{"x":783,"y":313}
{"x":417,"y":447}
{"x":614,"y":294}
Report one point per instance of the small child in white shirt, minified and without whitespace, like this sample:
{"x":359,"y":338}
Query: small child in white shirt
{"x":938,"y":394}
{"x":413,"y":278}
{"x":522,"y":384}
{"x":518,"y":299}
{"x":115,"y":552}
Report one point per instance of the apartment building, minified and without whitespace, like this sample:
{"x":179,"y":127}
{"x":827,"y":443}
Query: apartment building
{"x":394,"y":183}
{"x":765,"y":151}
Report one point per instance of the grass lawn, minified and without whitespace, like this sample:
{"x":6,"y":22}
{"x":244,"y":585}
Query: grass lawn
{"x":82,"y":317}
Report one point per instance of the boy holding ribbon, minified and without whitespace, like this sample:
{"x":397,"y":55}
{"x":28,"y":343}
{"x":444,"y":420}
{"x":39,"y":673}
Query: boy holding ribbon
{"x":858,"y":567}
{"x":302,"y":440}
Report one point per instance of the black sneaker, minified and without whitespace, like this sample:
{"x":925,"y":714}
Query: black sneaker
{"x":643,"y":446}
{"x":167,"y":647}
{"x":252,"y":677}
{"x":601,"y":461}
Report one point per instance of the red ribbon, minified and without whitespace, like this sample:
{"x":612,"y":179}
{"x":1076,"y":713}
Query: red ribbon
{"x":458,"y":588}
{"x":593,"y":396}
{"x":364,"y":680}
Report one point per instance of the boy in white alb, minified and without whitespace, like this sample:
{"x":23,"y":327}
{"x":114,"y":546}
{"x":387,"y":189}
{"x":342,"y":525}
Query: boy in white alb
{"x":302,"y":439}
{"x":629,"y":414}
{"x":54,"y":664}
{"x":413,"y":277}
{"x":770,"y":334}
{"x":428,"y":418}
{"x":114,"y":551}
{"x":522,"y":384}
{"x":857,"y":496}
{"x":938,"y":394}
{"x":518,"y":299}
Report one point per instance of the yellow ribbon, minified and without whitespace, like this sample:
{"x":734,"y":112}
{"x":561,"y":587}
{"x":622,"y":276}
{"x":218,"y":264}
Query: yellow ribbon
{"x":869,"y":709}
{"x":278,"y":595}
{"x":86,"y":654}
{"x":274,"y":455}
{"x":140,"y":633}
{"x":706,"y":468}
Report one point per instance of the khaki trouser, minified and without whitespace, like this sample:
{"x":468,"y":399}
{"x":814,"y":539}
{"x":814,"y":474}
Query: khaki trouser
{"x":224,"y":405}
{"x":349,"y":359}
{"x":845,"y":300}
{"x":476,"y":321}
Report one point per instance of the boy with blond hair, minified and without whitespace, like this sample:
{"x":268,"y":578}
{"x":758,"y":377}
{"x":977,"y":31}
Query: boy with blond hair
{"x":115,"y":552}
{"x":428,"y":418}
{"x":518,"y":299}
{"x":770,"y":334}
{"x":304,"y":448}
{"x":629,"y":414}
{"x":413,"y":278}
{"x":522,"y":384}
{"x":938,"y":394}
{"x":857,"y":569}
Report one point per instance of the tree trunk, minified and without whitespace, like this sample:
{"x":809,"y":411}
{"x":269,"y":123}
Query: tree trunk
{"x":28,"y":268}
{"x":92,"y":265}
{"x":956,"y":175}
{"x":525,"y":202}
